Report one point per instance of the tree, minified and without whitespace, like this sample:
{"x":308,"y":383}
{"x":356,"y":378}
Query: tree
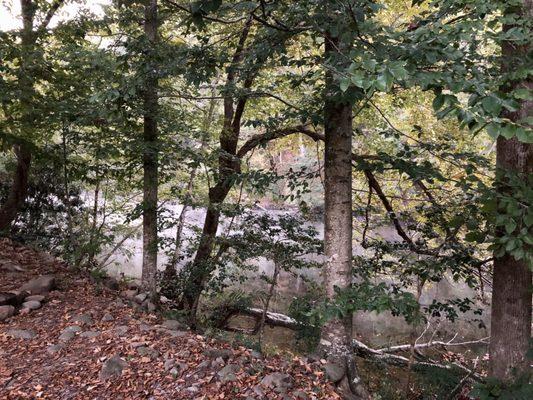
{"x":150,"y":154}
{"x":29,"y":57}
{"x":336,"y":335}
{"x":511,"y":287}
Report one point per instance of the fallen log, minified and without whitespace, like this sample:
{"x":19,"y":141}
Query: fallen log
{"x":385,"y":355}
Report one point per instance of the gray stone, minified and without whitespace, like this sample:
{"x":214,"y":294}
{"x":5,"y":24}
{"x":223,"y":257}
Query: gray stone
{"x":173,"y":325}
{"x":21,"y":334}
{"x":147,"y":351}
{"x":227,"y":374}
{"x":121,"y":330}
{"x":72,"y":328}
{"x":6,"y":312}
{"x":84,"y":319}
{"x":129,"y":294}
{"x":278,"y":381}
{"x":169,"y":364}
{"x":118,"y":302}
{"x":140,"y":298}
{"x":107,"y":318}
{"x":32,"y":305}
{"x":40,"y":285}
{"x":225,"y":354}
{"x":150,"y":307}
{"x":334,"y":372}
{"x":300,"y":395}
{"x":36,"y":297}
{"x":66,"y":337}
{"x":90,"y":334}
{"x":54,"y":348}
{"x":112,"y":368}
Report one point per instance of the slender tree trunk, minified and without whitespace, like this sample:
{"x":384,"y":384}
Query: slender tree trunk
{"x":19,"y":187}
{"x":336,"y":336}
{"x":150,"y":158}
{"x":511,"y":287}
{"x":199,"y":271}
{"x":270,"y":294}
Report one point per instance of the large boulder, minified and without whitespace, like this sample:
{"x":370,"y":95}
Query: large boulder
{"x":6,"y":312}
{"x":40,"y":285}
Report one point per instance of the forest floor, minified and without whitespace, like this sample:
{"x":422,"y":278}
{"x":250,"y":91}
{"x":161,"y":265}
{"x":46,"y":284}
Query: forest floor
{"x":85,"y":342}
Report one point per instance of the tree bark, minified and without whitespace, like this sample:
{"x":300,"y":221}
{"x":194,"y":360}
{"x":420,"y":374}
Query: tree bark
{"x":511,"y":287}
{"x":197,"y":274}
{"x":150,"y":157}
{"x":336,"y":335}
{"x":19,"y":187}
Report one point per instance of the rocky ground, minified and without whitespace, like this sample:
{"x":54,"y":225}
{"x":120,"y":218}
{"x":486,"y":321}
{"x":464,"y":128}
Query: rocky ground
{"x":76,"y":340}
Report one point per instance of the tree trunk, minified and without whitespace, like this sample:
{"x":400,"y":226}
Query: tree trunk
{"x":336,"y":336}
{"x":150,"y":158}
{"x":511,"y":287}
{"x":511,"y":284}
{"x":19,"y":187}
{"x":199,"y":271}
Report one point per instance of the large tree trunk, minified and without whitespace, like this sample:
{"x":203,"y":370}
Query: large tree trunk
{"x":336,"y":336}
{"x":19,"y":188}
{"x":150,"y":159}
{"x":511,"y":288}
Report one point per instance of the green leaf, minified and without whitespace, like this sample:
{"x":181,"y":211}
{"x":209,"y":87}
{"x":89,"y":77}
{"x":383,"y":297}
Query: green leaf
{"x":524,"y":135}
{"x":510,"y":226}
{"x":358,"y":79}
{"x":438,"y":102}
{"x":384,"y":81}
{"x":493,"y":130}
{"x":344,"y":84}
{"x":492,"y":105}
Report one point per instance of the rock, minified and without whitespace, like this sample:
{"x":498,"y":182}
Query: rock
{"x":10,"y":299}
{"x":66,"y":337}
{"x":90,"y":334}
{"x":150,"y":307}
{"x":72,"y":328}
{"x":111,"y":283}
{"x":54,"y":348}
{"x":21,"y":334}
{"x":334,"y":372}
{"x":118,"y":303}
{"x":107,"y":318}
{"x":112,"y":368}
{"x":173,"y":325}
{"x":300,"y":395}
{"x":140,"y":298}
{"x":121,"y":330}
{"x":40,"y":285}
{"x":147,"y":351}
{"x":227,"y":374}
{"x":32,"y":305}
{"x":36,"y":297}
{"x":6,"y":312}
{"x":83,"y":319}
{"x":133,"y":286}
{"x":10,"y":266}
{"x":278,"y":381}
{"x":169,"y":364}
{"x":129,"y":294}
{"x":225,"y":354}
